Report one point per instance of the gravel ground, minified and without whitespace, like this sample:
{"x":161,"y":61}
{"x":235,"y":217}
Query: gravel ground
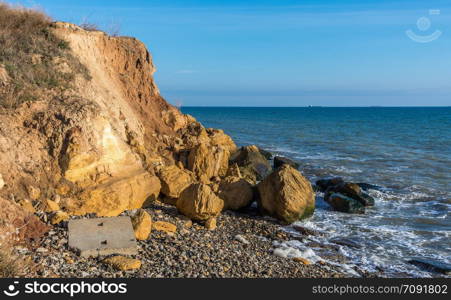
{"x":189,"y":253}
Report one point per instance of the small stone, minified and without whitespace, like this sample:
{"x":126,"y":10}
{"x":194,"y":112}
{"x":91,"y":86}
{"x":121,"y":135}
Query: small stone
{"x":27,"y":205}
{"x":241,"y":239}
{"x":210,"y":224}
{"x":58,"y":217}
{"x":33,"y":192}
{"x":41,"y":250}
{"x":69,"y":260}
{"x":123,"y":263}
{"x":164,"y":226}
{"x":142,"y":224}
{"x":51,"y":206}
{"x":302,"y":260}
{"x":188,"y":223}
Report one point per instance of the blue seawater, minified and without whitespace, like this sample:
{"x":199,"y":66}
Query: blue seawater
{"x":404,"y":151}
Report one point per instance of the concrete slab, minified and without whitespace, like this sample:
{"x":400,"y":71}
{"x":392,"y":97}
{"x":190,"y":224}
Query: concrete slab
{"x":102,"y":236}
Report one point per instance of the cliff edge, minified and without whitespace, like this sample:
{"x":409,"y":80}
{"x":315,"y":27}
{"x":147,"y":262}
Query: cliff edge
{"x":98,"y":144}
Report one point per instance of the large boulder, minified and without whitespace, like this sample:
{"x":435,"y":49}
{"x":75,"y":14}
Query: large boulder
{"x":236,"y":192}
{"x":219,"y":138}
{"x":207,"y":162}
{"x":286,"y":195}
{"x":173,"y":181}
{"x":199,"y":202}
{"x":112,"y":198}
{"x":280,"y":161}
{"x":253,"y":165}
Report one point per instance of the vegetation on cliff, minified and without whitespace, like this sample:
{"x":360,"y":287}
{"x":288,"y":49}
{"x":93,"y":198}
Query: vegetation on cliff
{"x":33,"y":61}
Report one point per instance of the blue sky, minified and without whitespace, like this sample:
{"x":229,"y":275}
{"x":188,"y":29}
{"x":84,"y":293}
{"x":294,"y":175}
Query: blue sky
{"x":284,"y":53}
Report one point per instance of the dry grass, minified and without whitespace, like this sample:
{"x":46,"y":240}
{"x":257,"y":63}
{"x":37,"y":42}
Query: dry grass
{"x":27,"y":52}
{"x":89,"y":26}
{"x":9,"y":267}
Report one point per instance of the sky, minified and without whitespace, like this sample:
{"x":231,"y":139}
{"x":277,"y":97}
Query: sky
{"x":284,"y":52}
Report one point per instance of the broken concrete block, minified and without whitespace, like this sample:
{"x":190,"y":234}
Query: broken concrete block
{"x":102,"y":236}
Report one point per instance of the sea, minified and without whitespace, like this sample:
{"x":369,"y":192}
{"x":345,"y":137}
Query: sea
{"x":404,"y":152}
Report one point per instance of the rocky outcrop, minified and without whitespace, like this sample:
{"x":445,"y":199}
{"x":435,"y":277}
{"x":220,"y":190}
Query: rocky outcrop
{"x":253,"y":165}
{"x":280,"y":161}
{"x":207,"y":162}
{"x":101,"y":138}
{"x":174,"y":180}
{"x":324,"y":184}
{"x":236,"y":192}
{"x":340,"y":202}
{"x":344,"y":196}
{"x":199,"y":202}
{"x":113,"y":197}
{"x":286,"y":195}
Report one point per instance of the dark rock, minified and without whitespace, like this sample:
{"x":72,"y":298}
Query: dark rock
{"x":324,"y":184}
{"x":346,"y":242}
{"x":268,"y":155}
{"x":431,"y":265}
{"x":280,"y":161}
{"x":366,"y":199}
{"x":368,"y":186}
{"x":253,"y":165}
{"x":306,"y":231}
{"x":352,"y":190}
{"x":345,"y":204}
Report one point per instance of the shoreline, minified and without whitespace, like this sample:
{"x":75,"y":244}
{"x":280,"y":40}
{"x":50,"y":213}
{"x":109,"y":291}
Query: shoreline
{"x":193,"y":252}
{"x":196,"y":252}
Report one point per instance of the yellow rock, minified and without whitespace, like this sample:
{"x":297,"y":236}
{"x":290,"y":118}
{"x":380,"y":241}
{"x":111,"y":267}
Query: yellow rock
{"x":208,"y":161}
{"x":123,"y":263}
{"x":236,"y":193}
{"x":302,"y":260}
{"x":286,"y":195}
{"x":234,"y":171}
{"x":210,"y":224}
{"x":112,"y":198}
{"x":188,"y":223}
{"x":199,"y":202}
{"x":51,"y":206}
{"x":219,"y":138}
{"x":27,"y":205}
{"x":173,"y":181}
{"x":69,"y":260}
{"x":62,"y":189}
{"x":33,"y":192}
{"x":58,"y":217}
{"x":142,"y":224}
{"x":164,"y":226}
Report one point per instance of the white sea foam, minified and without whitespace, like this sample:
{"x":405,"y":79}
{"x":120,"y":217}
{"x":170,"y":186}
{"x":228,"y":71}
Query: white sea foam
{"x":292,"y":249}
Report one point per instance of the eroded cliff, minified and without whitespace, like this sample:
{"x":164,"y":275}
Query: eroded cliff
{"x":97,"y":146}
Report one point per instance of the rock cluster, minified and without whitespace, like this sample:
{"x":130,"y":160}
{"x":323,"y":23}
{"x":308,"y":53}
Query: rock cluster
{"x":344,"y":196}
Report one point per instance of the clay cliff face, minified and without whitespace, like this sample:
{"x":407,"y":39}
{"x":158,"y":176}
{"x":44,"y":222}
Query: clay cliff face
{"x":99,"y":146}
